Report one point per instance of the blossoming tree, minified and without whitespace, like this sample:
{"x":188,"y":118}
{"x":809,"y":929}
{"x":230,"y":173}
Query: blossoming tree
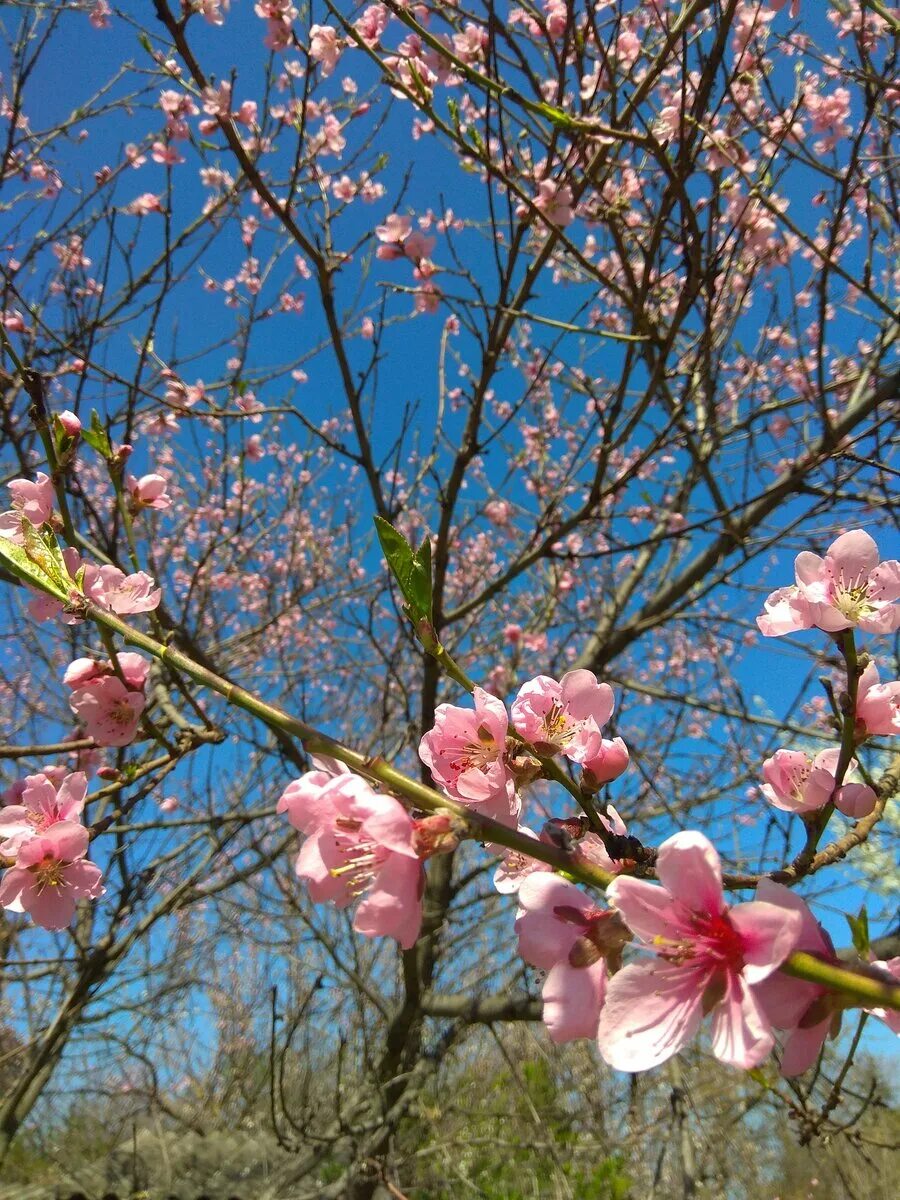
{"x":411,"y":413}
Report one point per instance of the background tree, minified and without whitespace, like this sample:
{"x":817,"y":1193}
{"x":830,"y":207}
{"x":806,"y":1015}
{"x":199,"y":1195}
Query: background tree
{"x":600,"y":297}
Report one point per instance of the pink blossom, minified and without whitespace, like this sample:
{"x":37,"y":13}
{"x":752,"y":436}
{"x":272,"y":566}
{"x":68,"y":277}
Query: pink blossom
{"x":165,"y":154}
{"x":786,"y":611}
{"x":50,"y":875}
{"x":148,"y":492}
{"x":417,"y":246}
{"x":134,"y":156}
{"x":801,"y":1008}
{"x":100,"y":14}
{"x":778,"y":5}
{"x":141,"y":205}
{"x":428,"y":298}
{"x":32,"y":500}
{"x":213,"y":10}
{"x":43,"y":804}
{"x":83,"y":671}
{"x":709,"y":959}
{"x":106,"y":586}
{"x":557,"y":17}
{"x":554,"y":200}
{"x":846,"y":588}
{"x":43,"y":607}
{"x":395,"y":230}
{"x":466,"y":754}
{"x":499,"y":512}
{"x":516,"y":866}
{"x":564,"y":717}
{"x":797,"y":783}
{"x":14,"y":321}
{"x":324,"y":47}
{"x":247,"y":114}
{"x":125,"y":594}
{"x":850,"y":586}
{"x":54,"y":773}
{"x":877,"y":704}
{"x":561,"y":931}
{"x":628,"y":47}
{"x":217,"y":100}
{"x":855,"y":800}
{"x":109,"y":711}
{"x":372,"y":24}
{"x":359,"y":843}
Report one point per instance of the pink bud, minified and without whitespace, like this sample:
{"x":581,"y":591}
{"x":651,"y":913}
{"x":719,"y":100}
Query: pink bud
{"x":70,"y":423}
{"x":855,"y":800}
{"x":607,"y":761}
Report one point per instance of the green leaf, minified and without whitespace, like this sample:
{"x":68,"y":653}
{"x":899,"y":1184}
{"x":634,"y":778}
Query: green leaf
{"x":39,"y":562}
{"x":397,"y":552}
{"x":96,"y":436}
{"x":412,"y":571}
{"x":859,"y":931}
{"x":420,"y":579}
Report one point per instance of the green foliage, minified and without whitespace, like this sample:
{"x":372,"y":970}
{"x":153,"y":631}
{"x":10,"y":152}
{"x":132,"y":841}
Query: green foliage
{"x":524,"y":1138}
{"x":96,"y":436}
{"x":39,"y":562}
{"x":412,"y":570}
{"x":859,"y":931}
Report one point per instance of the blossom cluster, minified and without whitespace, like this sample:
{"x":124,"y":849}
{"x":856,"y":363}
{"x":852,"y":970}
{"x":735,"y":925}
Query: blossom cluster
{"x":359,"y":844}
{"x":108,"y":699}
{"x":106,"y":586}
{"x":42,"y":834}
{"x":697,"y":956}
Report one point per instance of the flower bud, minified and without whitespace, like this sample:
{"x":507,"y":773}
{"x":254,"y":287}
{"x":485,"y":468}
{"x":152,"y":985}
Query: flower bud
{"x":70,"y":423}
{"x":437,"y":834}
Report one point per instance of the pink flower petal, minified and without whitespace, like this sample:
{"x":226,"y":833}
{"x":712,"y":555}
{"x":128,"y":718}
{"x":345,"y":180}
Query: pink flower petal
{"x":11,"y":885}
{"x":651,"y":1011}
{"x":585,"y":698}
{"x":647,"y":909}
{"x":802,"y":1046}
{"x":769,"y":935}
{"x":688,"y":867}
{"x":388,"y":823}
{"x":393,"y":908}
{"x":853,"y":555}
{"x":884,"y":581}
{"x":572,"y":999}
{"x":84,"y":878}
{"x":741,"y":1034}
{"x":315,"y":861}
{"x":66,"y":840}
